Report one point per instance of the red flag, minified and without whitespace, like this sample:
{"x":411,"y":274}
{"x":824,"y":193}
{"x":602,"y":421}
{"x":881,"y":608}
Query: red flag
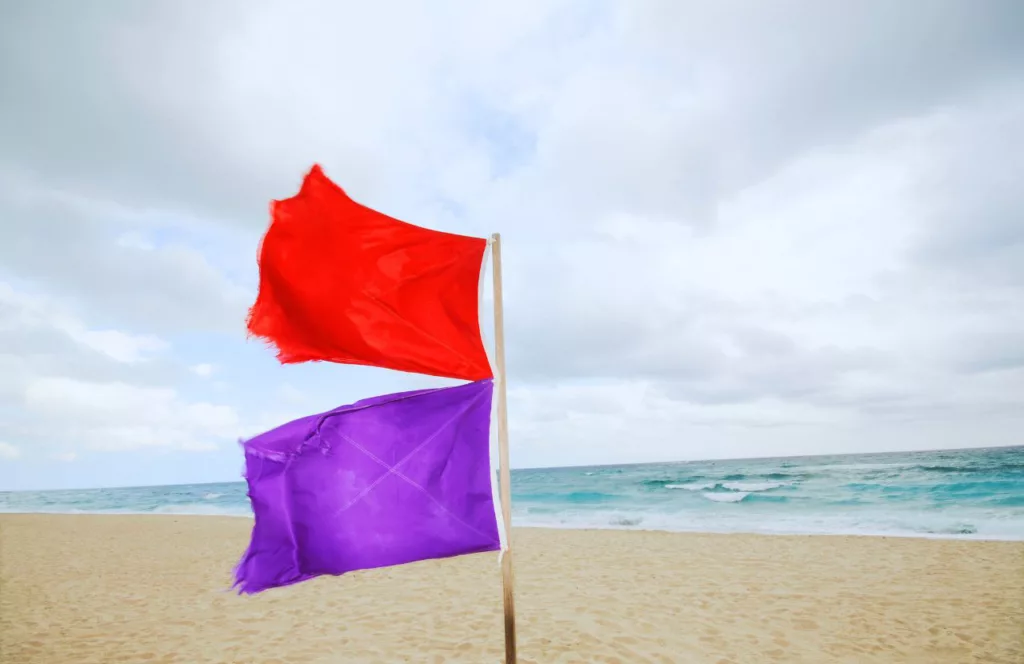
{"x":340,"y":282}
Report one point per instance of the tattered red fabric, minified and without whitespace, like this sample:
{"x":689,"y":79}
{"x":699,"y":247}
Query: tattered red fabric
{"x":340,"y":282}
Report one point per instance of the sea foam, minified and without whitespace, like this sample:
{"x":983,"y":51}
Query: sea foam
{"x":753,"y":486}
{"x":733,"y":497}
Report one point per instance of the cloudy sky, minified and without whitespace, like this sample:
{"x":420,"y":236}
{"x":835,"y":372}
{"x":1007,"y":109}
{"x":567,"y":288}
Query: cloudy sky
{"x":730,"y":228}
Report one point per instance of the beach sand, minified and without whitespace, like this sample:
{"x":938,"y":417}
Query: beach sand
{"x":155,"y":589}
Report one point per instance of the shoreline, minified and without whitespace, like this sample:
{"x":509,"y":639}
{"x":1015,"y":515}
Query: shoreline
{"x":590,"y":528}
{"x":132,"y":588}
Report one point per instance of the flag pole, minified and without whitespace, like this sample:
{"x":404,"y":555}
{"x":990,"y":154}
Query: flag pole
{"x":505,"y":474}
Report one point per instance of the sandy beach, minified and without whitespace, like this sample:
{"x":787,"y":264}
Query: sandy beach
{"x":155,"y":589}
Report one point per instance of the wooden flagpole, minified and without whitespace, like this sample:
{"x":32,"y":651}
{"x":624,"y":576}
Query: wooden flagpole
{"x":505,"y":474}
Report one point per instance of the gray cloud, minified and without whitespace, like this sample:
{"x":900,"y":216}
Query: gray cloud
{"x":974,"y":199}
{"x":161,"y":105}
{"x":802,"y":74}
{"x":686,"y":102}
{"x":741,"y":88}
{"x":993,"y":351}
{"x":734,"y":214}
{"x":88,"y":255}
{"x":79,"y":109}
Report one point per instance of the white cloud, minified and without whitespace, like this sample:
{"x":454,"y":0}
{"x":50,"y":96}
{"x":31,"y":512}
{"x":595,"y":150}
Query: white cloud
{"x":117,"y":416}
{"x":27,"y":314}
{"x":714,"y":243}
{"x":67,"y":385}
{"x":8,"y":451}
{"x":202,"y":370}
{"x":118,"y":345}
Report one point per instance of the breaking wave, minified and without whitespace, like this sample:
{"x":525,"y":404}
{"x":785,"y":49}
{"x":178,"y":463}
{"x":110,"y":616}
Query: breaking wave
{"x":749,"y":487}
{"x":753,"y":486}
{"x":734,"y":497}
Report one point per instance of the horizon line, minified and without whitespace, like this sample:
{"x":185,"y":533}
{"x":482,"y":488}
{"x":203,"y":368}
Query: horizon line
{"x":569,"y":467}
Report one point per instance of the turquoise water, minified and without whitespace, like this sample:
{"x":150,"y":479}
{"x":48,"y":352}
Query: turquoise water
{"x":963,"y":494}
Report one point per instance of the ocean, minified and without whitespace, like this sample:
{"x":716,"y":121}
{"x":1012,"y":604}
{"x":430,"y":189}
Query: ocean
{"x":970,"y":494}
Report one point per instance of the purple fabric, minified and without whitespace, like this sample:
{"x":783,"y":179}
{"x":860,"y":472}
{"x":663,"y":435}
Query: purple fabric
{"x":386,"y":481}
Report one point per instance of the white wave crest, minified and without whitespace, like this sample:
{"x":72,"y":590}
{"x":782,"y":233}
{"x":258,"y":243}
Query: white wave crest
{"x":753,"y":486}
{"x":212,"y":496}
{"x":726,"y":497}
{"x":693,"y":486}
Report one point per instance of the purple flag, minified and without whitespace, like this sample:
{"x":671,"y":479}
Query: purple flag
{"x":386,"y":481}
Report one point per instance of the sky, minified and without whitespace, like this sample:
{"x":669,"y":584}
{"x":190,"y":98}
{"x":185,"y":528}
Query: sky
{"x":729,"y":229}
